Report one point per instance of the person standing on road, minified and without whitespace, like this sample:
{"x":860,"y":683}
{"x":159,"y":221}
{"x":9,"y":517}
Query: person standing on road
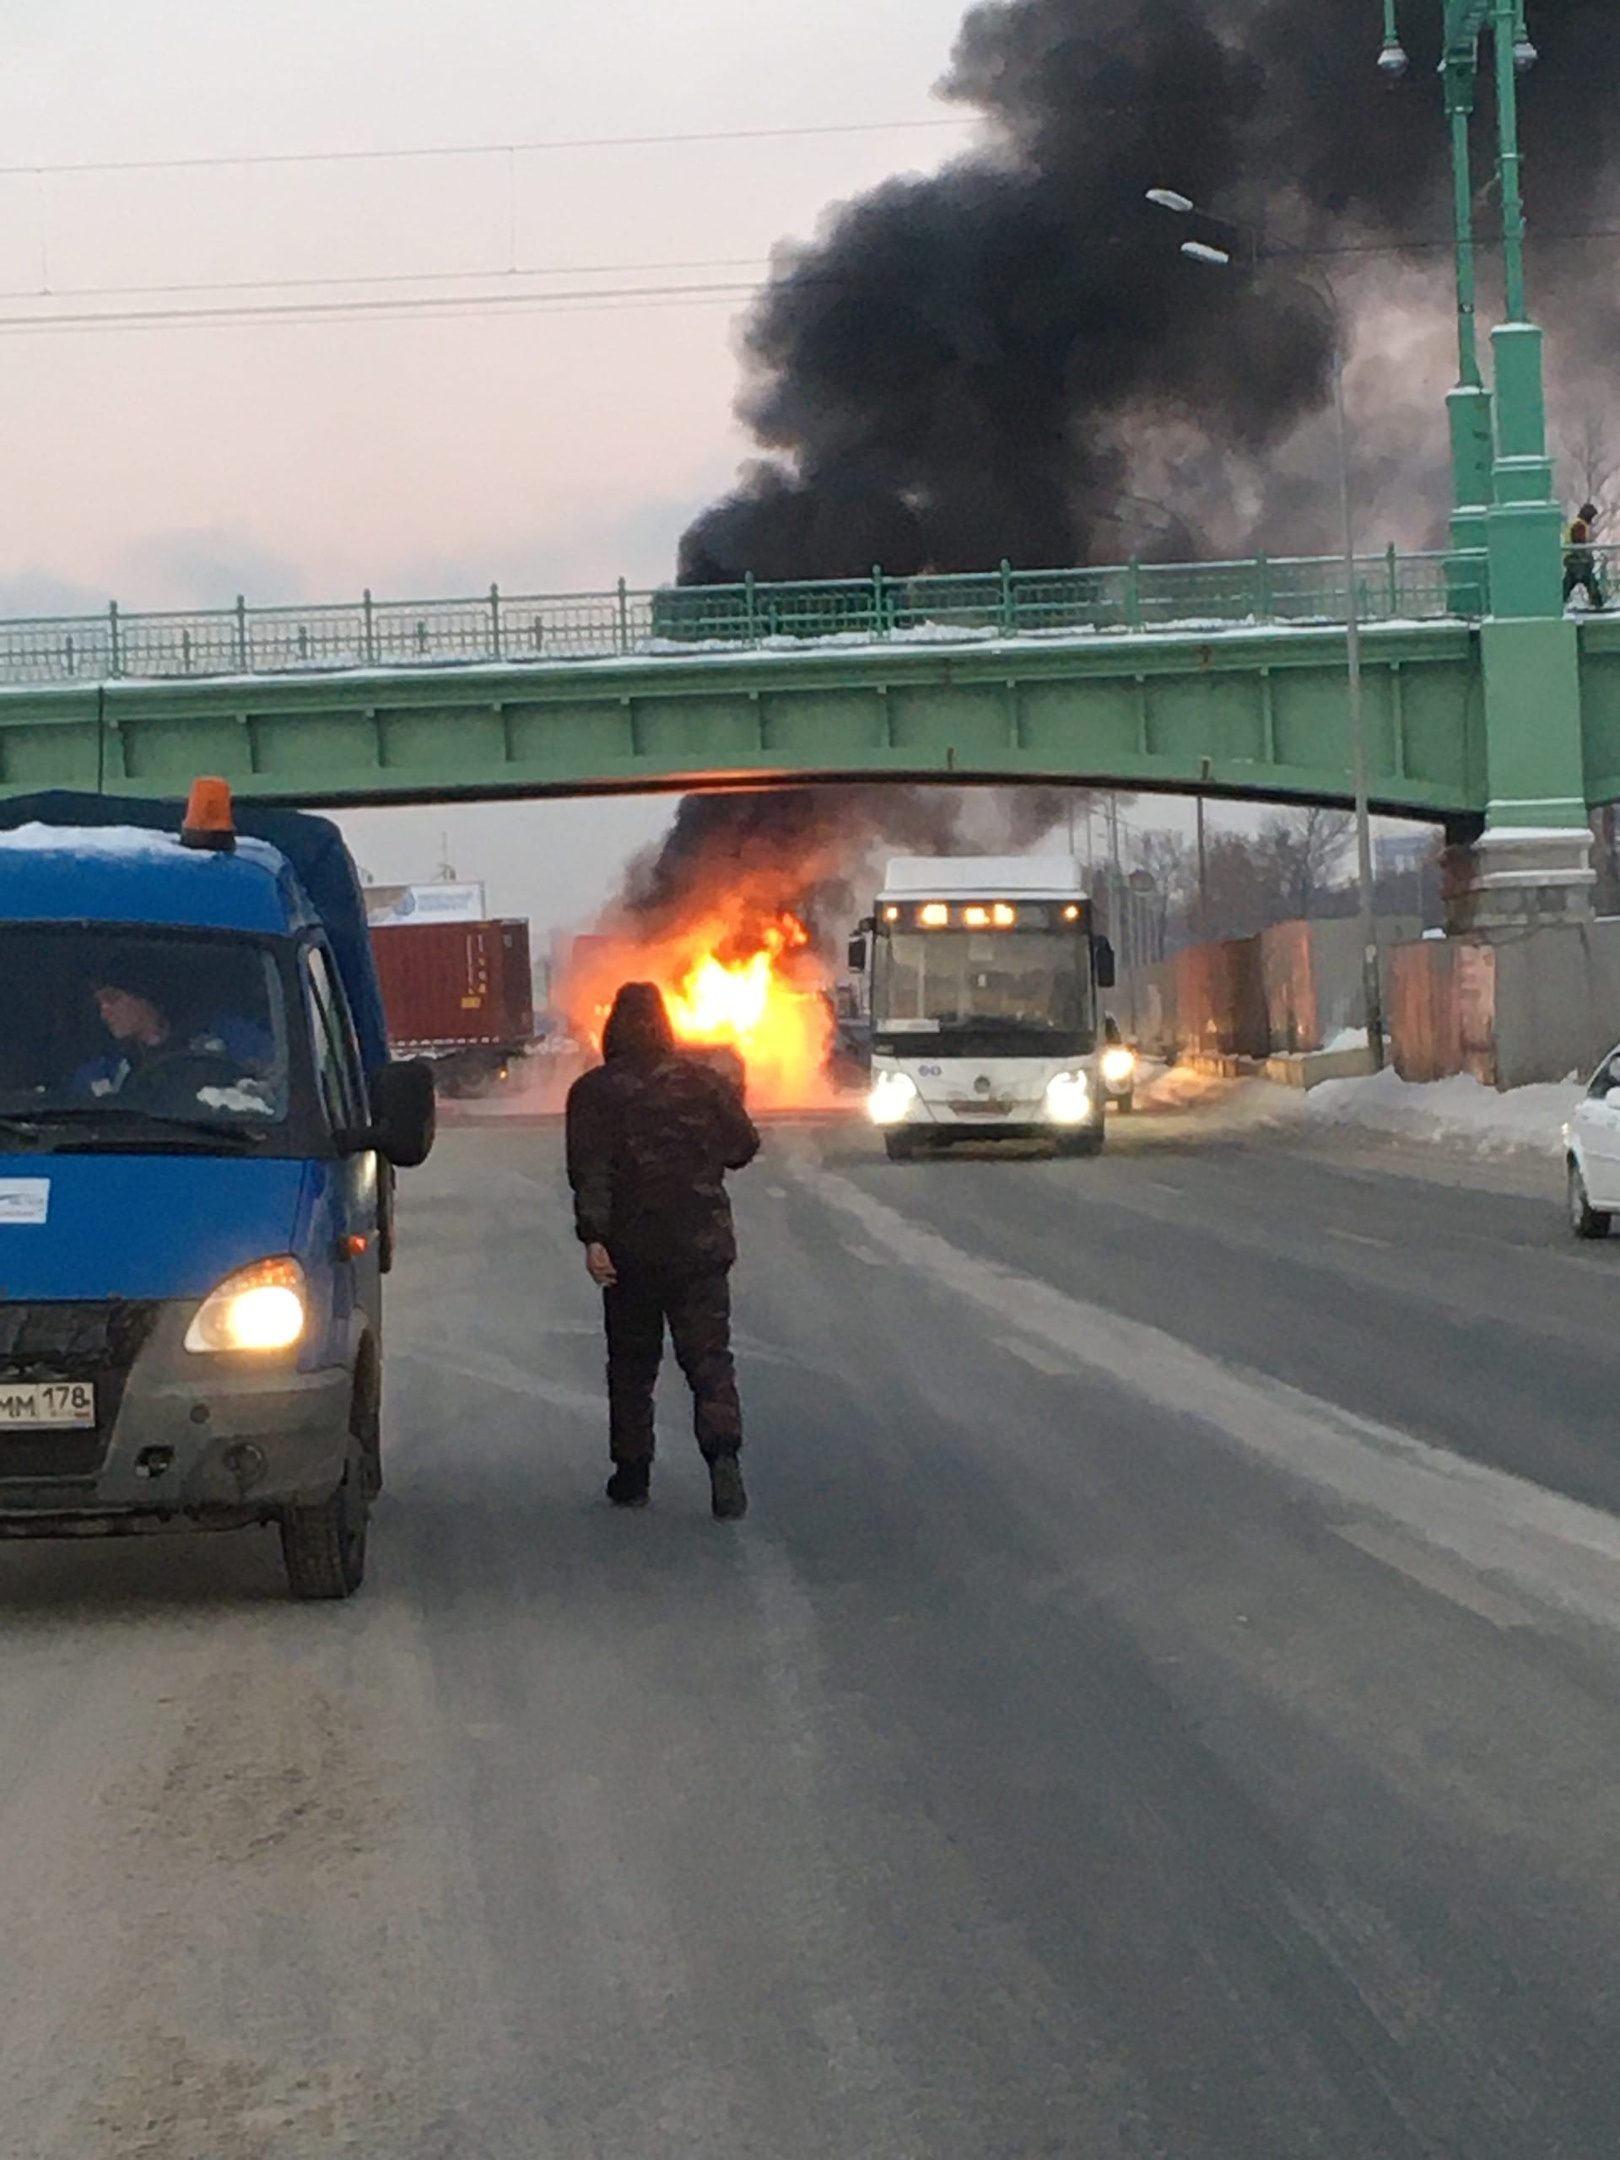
{"x":651,"y":1134}
{"x":1580,"y":558}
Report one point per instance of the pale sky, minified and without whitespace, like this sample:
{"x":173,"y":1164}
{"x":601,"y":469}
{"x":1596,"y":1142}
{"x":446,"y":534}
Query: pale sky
{"x":543,"y":448}
{"x":546,"y":450}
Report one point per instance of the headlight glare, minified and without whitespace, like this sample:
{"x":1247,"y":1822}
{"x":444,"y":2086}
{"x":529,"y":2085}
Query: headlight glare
{"x":1068,"y":1099}
{"x":259,"y":1308}
{"x":892,"y":1096}
{"x":1118,"y":1065}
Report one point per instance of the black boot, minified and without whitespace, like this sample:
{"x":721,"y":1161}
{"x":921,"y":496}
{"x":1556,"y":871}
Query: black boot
{"x":631,"y":1484}
{"x":730,"y":1496}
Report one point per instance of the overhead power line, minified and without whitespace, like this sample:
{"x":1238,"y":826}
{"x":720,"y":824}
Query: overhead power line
{"x":505,"y":291}
{"x":549,"y":146}
{"x":400,"y":307}
{"x":495,"y":274}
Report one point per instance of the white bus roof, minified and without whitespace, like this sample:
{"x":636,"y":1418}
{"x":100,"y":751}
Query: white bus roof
{"x":989,"y":877}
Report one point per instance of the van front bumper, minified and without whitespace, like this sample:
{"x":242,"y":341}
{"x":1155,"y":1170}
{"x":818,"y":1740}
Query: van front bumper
{"x":179,"y":1435}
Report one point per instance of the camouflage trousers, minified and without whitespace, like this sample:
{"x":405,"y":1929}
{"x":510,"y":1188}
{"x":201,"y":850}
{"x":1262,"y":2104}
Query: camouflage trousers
{"x":697,"y":1311}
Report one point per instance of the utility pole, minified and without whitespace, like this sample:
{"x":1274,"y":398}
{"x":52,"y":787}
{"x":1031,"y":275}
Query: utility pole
{"x":1203,"y":861}
{"x":1320,"y":287}
{"x":1203,"y":875}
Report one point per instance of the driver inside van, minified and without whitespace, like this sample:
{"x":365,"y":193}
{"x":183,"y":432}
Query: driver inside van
{"x":137,"y":1012}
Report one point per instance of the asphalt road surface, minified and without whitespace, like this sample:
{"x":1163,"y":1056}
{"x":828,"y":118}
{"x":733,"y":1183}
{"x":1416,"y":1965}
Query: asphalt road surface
{"x":1163,"y":1702}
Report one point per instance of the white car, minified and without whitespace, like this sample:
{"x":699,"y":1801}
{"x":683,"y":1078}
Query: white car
{"x":1592,"y":1152}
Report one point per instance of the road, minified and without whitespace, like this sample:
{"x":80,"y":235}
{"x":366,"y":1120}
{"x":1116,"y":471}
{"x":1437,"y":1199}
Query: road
{"x":1163,"y":1702}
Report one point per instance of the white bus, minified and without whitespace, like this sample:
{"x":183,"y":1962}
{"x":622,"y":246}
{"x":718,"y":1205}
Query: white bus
{"x":984,"y":973}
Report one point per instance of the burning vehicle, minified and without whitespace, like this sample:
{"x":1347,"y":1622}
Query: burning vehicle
{"x":745,"y":994}
{"x":741,"y":915}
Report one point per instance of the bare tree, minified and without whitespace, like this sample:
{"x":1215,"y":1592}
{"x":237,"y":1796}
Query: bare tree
{"x":1300,"y":853}
{"x":1171,"y":861}
{"x":1589,"y":456}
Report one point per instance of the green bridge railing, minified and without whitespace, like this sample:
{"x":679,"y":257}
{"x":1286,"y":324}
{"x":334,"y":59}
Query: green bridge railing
{"x":505,"y":629}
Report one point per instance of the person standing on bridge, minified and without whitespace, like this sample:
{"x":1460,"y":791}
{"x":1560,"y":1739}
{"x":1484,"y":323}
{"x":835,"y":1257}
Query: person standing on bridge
{"x":1580,"y":558}
{"x":651,"y":1134}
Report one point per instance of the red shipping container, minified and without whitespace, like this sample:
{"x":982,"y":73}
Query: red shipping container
{"x":451,"y":984}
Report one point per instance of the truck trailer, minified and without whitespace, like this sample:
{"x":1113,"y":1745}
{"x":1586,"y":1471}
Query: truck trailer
{"x":459,"y":995}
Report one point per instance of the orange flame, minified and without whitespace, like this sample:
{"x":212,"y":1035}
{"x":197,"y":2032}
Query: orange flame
{"x":759,"y":995}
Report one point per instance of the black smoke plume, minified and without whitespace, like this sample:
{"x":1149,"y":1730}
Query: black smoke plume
{"x":816,"y":850}
{"x":963,"y":369}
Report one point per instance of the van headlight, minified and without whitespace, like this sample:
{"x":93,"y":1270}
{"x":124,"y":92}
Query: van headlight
{"x":262,"y":1307}
{"x":892,"y":1096}
{"x":1068,"y":1099}
{"x":1119,"y":1065}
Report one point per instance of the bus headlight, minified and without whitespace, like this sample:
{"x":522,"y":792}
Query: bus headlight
{"x":259,"y":1308}
{"x":1119,"y":1065}
{"x":1068,"y":1099}
{"x":892,"y":1096}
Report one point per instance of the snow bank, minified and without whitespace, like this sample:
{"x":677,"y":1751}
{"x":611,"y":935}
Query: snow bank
{"x":1458,"y":1110}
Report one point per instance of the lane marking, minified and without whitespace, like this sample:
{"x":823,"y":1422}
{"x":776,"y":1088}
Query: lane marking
{"x":1558,"y":1551}
{"x":1178,"y":1192}
{"x":1055,"y":1368}
{"x":1430,"y":1572}
{"x":1355,"y":1237}
{"x":492,"y":1370}
{"x":866,"y":1256}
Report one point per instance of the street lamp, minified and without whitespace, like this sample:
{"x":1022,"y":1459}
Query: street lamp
{"x":1504,"y":510}
{"x":1392,"y":60}
{"x":1202,"y":252}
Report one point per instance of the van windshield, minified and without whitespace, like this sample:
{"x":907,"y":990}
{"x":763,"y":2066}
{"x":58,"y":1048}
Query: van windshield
{"x":113,"y":1034}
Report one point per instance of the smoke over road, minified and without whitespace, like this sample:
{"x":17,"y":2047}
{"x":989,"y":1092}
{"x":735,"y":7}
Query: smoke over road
{"x":739,"y":911}
{"x":1012,"y":359}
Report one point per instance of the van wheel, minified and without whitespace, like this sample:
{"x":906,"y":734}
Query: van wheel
{"x":324,"y":1547}
{"x":1585,"y":1220}
{"x":899,"y":1146}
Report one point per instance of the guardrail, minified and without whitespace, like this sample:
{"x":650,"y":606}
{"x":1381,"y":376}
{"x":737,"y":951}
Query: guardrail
{"x":507,"y":629}
{"x":1607,"y":567}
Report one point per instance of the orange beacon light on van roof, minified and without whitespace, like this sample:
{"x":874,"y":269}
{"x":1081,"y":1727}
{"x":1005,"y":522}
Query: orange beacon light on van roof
{"x":210,"y":821}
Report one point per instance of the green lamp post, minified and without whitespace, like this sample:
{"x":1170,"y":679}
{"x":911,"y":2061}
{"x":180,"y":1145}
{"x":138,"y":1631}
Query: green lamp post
{"x":1532,"y":862}
{"x":1504,"y":511}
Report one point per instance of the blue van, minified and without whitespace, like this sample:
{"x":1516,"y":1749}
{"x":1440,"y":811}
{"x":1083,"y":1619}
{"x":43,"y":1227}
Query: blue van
{"x":199,"y":1127}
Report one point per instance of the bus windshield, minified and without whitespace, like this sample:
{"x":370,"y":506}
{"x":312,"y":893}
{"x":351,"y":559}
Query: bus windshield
{"x":1012,"y":990}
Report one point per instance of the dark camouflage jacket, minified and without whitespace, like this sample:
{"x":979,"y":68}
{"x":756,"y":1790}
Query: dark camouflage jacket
{"x":649,"y":1145}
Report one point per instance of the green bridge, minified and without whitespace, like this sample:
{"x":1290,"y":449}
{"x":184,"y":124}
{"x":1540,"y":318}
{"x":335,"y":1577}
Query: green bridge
{"x":1225,"y":678}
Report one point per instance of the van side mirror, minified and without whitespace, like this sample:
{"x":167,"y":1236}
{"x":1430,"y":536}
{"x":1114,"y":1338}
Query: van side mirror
{"x":404,"y":1113}
{"x":1103,"y":962}
{"x":857,"y":954}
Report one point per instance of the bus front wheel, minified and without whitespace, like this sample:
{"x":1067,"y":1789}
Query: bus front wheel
{"x":1089,"y":1141}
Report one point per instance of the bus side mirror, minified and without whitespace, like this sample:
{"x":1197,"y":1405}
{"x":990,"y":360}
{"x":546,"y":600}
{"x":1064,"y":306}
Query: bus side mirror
{"x":1103,"y":952}
{"x":857,"y":955}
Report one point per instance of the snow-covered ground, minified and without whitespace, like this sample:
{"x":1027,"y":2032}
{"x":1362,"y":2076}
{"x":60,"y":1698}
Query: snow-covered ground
{"x":1458,"y":1110}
